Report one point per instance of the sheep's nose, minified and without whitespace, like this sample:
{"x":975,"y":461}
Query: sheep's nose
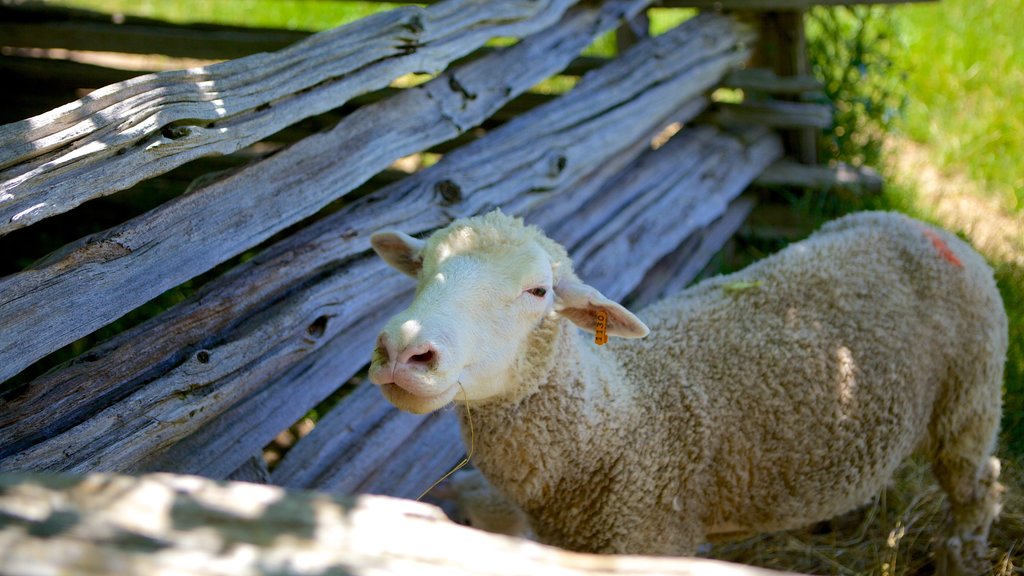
{"x":385,"y":352}
{"x":419,"y":355}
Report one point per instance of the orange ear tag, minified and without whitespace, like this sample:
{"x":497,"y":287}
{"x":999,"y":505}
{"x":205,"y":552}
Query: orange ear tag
{"x":600,"y":334}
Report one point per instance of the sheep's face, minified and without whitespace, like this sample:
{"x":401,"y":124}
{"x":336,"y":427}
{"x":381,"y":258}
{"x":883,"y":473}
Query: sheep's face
{"x":481,"y":291}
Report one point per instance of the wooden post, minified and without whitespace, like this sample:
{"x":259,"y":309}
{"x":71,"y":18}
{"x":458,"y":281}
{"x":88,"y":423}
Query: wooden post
{"x":782,"y":48}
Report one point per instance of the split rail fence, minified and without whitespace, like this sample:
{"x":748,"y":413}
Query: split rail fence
{"x":259,"y":179}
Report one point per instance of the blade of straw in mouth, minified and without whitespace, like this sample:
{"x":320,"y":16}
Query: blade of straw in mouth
{"x":469,"y":454}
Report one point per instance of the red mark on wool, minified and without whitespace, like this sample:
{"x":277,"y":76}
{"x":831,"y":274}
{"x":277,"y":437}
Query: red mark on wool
{"x":943,"y":248}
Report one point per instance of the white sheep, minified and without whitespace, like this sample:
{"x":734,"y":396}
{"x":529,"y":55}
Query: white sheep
{"x":768,"y":399}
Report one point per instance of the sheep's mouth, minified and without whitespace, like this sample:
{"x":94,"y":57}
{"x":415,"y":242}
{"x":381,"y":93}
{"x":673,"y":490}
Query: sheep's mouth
{"x":417,"y":403}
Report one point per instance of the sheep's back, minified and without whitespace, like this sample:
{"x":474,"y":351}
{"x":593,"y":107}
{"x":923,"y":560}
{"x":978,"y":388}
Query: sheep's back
{"x":816,"y":370}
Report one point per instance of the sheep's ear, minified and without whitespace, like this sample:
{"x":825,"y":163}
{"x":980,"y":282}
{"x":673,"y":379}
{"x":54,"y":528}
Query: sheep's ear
{"x":403,"y":252}
{"x":581,"y":304}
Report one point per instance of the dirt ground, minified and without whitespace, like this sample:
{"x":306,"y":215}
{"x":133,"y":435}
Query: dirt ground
{"x":988,"y":221}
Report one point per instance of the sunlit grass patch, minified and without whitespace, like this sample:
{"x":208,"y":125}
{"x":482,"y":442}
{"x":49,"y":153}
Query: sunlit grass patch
{"x":964,"y":61}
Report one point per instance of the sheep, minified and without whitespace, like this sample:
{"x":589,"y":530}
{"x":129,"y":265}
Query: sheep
{"x":772,"y":398}
{"x":481,"y":506}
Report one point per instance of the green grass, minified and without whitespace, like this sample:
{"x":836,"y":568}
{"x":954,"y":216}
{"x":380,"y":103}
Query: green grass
{"x":964,"y":62}
{"x":311,"y":15}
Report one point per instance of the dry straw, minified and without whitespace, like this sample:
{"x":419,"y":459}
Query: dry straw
{"x":469,"y":454}
{"x":890,"y":537}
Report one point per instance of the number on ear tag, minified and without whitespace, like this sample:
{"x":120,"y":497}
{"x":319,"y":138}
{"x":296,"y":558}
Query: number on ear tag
{"x":600,"y":334}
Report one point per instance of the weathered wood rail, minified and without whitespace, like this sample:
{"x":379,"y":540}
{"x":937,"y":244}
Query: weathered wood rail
{"x":635,"y":170}
{"x":155,"y":123}
{"x":655,"y":87}
{"x":216,"y":221}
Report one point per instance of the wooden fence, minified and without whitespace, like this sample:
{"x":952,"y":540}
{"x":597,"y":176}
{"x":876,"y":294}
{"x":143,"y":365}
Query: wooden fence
{"x":289,"y":152}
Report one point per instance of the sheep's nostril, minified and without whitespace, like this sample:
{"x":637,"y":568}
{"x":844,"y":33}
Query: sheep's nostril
{"x":382,"y":349}
{"x":422,"y":358}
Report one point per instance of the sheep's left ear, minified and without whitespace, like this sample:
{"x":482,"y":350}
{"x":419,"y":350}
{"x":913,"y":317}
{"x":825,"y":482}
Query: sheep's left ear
{"x":403,"y":252}
{"x":581,"y":304}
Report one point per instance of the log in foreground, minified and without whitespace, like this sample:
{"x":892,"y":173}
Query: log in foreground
{"x":169,"y":524}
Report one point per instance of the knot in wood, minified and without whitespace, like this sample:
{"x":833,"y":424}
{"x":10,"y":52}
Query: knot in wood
{"x":203,"y":357}
{"x":458,"y":88}
{"x":318,"y":327}
{"x":176,"y":132}
{"x":449,"y":191}
{"x":414,"y":25}
{"x":557,"y":164}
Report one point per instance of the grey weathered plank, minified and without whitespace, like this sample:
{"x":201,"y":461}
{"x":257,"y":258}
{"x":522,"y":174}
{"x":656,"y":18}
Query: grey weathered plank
{"x":189,"y":235}
{"x":357,"y":435}
{"x":218,"y":447}
{"x":768,"y":82}
{"x":430,"y":452}
{"x":254,"y":470}
{"x":123,"y":133}
{"x":654,"y":80}
{"x":165,"y":410}
{"x":728,"y":166}
{"x":169,"y":524}
{"x":582,"y":215}
{"x":772,"y":113}
{"x":41,"y":26}
{"x":676,"y":270}
{"x":366,"y":445}
{"x":841,"y":177}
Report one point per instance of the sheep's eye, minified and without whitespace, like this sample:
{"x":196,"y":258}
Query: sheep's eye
{"x":539,"y":291}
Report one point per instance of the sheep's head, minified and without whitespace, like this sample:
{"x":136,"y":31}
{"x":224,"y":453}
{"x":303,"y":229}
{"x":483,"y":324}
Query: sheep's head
{"x":484,"y":284}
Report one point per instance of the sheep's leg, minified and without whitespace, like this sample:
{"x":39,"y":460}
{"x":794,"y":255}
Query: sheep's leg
{"x":974,"y":497}
{"x":969,"y":476}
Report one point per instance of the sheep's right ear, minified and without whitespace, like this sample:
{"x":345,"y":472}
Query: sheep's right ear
{"x":403,"y":252}
{"x":581,"y":304}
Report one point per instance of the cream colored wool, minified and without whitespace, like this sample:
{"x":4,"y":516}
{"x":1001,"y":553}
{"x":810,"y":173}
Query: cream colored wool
{"x":783,"y":394}
{"x":483,"y":506}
